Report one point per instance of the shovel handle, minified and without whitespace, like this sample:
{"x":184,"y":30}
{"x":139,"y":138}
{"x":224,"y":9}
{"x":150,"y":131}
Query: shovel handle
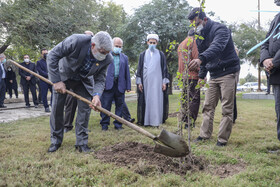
{"x":110,"y":114}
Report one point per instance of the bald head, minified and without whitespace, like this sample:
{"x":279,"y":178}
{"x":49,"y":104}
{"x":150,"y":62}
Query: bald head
{"x":118,"y":42}
{"x":89,"y":33}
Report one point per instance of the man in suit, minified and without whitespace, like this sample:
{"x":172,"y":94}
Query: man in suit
{"x":43,"y":71}
{"x":79,"y":63}
{"x":117,"y":82}
{"x":2,"y":80}
{"x":28,"y":81}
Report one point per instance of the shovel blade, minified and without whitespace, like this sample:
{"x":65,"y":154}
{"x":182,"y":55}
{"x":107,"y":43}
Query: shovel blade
{"x":172,"y":145}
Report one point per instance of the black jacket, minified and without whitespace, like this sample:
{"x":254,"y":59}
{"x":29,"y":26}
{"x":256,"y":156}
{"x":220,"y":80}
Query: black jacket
{"x":216,"y":51}
{"x":271,"y":49}
{"x":23,"y":74}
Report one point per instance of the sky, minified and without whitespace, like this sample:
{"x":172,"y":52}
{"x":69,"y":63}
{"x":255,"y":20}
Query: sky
{"x":231,"y":11}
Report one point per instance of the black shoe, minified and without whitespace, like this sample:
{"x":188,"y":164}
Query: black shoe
{"x":83,"y":148}
{"x":119,"y":128}
{"x":36,"y":106}
{"x":53,"y":147}
{"x":3,"y":106}
{"x":131,"y":120}
{"x":199,"y":139}
{"x":27,"y":106}
{"x":267,"y":93}
{"x":67,"y":129}
{"x":47,"y":110}
{"x":104,"y":127}
{"x":187,"y":125}
{"x":220,"y":144}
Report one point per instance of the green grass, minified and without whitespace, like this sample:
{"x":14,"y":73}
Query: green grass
{"x":25,"y":162}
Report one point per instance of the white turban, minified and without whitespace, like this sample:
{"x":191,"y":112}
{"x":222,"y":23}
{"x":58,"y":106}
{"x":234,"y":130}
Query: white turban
{"x":152,"y":36}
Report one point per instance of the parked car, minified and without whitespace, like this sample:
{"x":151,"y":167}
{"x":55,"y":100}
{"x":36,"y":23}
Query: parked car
{"x":251,"y":86}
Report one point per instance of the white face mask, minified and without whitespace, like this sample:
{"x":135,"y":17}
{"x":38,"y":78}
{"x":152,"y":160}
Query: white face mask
{"x":98,"y":56}
{"x":199,"y":28}
{"x":26,"y":60}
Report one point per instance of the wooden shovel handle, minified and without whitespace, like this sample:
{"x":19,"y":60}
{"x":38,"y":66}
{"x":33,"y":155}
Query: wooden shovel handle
{"x":110,"y":114}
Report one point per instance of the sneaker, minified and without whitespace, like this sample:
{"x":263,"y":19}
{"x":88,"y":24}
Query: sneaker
{"x":220,"y":144}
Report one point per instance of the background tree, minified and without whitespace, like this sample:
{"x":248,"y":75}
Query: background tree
{"x":168,"y":19}
{"x":250,"y":78}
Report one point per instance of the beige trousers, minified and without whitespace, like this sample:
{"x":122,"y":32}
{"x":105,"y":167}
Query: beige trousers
{"x":220,"y":88}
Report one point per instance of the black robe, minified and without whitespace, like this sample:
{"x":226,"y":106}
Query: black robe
{"x":141,"y":96}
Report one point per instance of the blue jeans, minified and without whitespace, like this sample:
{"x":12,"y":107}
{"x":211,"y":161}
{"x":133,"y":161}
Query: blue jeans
{"x":276,"y":91}
{"x":106,"y":101}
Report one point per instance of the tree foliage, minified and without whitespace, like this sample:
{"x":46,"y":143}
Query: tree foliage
{"x":245,"y":36}
{"x":167,"y":18}
{"x":36,"y":24}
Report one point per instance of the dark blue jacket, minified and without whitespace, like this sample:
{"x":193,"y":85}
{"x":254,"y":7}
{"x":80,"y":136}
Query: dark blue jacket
{"x":124,"y":82}
{"x":42,"y":68}
{"x":23,"y":74}
{"x":1,"y":73}
{"x":271,"y":49}
{"x":216,"y":51}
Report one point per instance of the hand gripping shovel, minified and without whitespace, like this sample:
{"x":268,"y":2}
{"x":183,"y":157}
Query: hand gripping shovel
{"x":167,"y":143}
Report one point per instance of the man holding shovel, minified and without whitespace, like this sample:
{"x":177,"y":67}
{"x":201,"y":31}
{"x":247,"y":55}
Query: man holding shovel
{"x":79,"y":63}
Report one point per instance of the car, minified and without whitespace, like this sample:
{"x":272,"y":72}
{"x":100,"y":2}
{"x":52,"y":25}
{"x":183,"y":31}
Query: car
{"x":251,"y":86}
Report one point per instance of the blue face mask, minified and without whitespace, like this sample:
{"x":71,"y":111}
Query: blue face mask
{"x":117,"y":50}
{"x":152,"y":47}
{"x":4,"y":61}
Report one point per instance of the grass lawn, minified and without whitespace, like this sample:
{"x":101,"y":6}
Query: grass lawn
{"x":24,"y":160}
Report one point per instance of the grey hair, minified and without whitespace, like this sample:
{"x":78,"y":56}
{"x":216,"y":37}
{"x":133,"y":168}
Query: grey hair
{"x":115,"y":38}
{"x":103,"y":40}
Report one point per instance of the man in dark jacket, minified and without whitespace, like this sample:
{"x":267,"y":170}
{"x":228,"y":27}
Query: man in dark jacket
{"x":216,"y":55}
{"x":43,"y":71}
{"x":117,"y":82}
{"x":270,"y":59}
{"x":28,"y":81}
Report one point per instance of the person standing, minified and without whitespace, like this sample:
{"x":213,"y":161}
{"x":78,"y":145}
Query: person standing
{"x":152,"y":79}
{"x":43,"y":71}
{"x":79,"y":63}
{"x":28,"y":81}
{"x":185,"y":47}
{"x":12,"y":82}
{"x":117,"y":82}
{"x":2,"y":80}
{"x":216,"y":55}
{"x":270,"y":59}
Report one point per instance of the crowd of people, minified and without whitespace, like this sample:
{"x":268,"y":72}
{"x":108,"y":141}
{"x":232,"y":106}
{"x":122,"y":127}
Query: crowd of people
{"x":95,"y":67}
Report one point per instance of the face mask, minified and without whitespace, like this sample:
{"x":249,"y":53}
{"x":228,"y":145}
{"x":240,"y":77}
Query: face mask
{"x":199,"y":28}
{"x":45,"y":56}
{"x":9,"y":69}
{"x":152,"y":47}
{"x":26,"y":60}
{"x":117,"y":50}
{"x":98,"y":56}
{"x":4,"y":61}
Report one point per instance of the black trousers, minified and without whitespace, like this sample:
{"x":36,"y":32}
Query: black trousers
{"x":32,"y":87}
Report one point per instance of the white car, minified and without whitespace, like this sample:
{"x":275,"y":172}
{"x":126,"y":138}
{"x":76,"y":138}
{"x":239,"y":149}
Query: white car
{"x":251,"y":86}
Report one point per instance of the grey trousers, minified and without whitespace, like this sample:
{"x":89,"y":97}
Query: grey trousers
{"x":276,"y":91}
{"x":220,"y":88}
{"x":57,"y":114}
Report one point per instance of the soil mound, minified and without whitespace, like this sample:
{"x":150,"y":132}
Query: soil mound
{"x":141,"y":159}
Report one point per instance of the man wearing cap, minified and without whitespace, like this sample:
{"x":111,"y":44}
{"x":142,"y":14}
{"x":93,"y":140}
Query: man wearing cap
{"x":117,"y":82}
{"x":270,"y":59}
{"x":218,"y":57}
{"x":79,"y":63}
{"x":188,"y":49}
{"x":152,"y":80}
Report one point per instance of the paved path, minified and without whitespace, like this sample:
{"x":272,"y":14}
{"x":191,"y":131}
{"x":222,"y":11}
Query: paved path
{"x":16,"y":109}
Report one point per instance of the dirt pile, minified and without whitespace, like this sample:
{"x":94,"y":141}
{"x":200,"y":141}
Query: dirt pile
{"x":141,"y":159}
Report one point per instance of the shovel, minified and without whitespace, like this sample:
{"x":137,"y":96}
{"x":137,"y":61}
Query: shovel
{"x":167,"y":143}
